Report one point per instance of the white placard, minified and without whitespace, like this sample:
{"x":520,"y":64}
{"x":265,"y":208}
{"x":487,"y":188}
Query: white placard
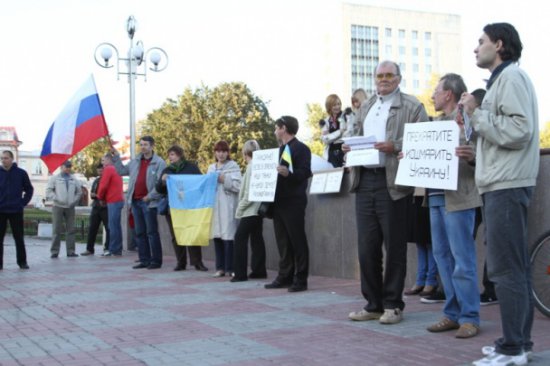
{"x":263,"y":179}
{"x":429,"y":158}
{"x":363,"y":157}
{"x":318,"y":182}
{"x":326,"y":181}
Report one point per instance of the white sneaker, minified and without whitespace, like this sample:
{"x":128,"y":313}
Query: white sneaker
{"x":487,"y":350}
{"x":363,"y":315}
{"x":219,"y":274}
{"x":498,"y":359}
{"x":391,"y":316}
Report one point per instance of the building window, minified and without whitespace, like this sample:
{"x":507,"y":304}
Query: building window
{"x":388,"y":50}
{"x":416,"y":84}
{"x":401,"y":34}
{"x":415,"y":51}
{"x":428,"y":69}
{"x":364,"y":56}
{"x":428,"y":36}
{"x":402,"y":51}
{"x":415,"y":68}
{"x":414,"y":35}
{"x":428,"y":52}
{"x":388,"y":32}
{"x":402,"y":67}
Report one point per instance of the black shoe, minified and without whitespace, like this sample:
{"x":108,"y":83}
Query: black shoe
{"x":297,"y":287}
{"x":72,"y":255}
{"x":439,"y":296}
{"x":54,"y":256}
{"x":86,"y":253}
{"x":24,"y":266}
{"x":141,"y":265}
{"x":236,"y":279}
{"x":277,"y":284}
{"x":201,"y":267}
{"x":257,"y":276}
{"x":485,"y":299}
{"x":179,"y":267}
{"x":154,"y":266}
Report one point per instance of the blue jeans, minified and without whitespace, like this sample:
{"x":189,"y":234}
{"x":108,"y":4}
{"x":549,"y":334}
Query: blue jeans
{"x":224,"y":255}
{"x":508,"y":266}
{"x":115,"y":229}
{"x":455,"y":254}
{"x":426,"y":273}
{"x":147,"y":233}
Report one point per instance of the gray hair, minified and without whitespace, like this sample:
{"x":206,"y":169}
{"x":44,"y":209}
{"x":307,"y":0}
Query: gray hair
{"x":250,"y":146}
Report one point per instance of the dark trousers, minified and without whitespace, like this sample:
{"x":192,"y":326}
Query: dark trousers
{"x":290,"y":234}
{"x":195,"y":251}
{"x":508,"y":265}
{"x":16,"y":224}
{"x":224,"y":255}
{"x":97,"y":216}
{"x":488,"y":286}
{"x":381,"y":221}
{"x":249,"y":227}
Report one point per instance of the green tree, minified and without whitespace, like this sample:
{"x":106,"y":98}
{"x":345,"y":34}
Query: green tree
{"x":544,"y":137}
{"x":426,"y":96}
{"x":86,"y":160}
{"x":199,"y":118}
{"x":315,"y":113}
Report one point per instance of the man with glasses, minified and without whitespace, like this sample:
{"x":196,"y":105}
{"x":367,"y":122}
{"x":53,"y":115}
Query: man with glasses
{"x":380,"y":205}
{"x":507,"y":164}
{"x":15,"y":193}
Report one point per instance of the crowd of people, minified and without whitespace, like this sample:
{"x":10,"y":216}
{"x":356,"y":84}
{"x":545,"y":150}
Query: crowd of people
{"x":493,"y":180}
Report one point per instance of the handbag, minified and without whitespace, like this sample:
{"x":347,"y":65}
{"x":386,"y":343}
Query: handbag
{"x":265,"y":211}
{"x":162,"y":207}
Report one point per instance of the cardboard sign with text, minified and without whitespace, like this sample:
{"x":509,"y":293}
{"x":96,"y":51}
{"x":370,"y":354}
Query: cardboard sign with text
{"x":263,"y":179}
{"x":429,"y":158}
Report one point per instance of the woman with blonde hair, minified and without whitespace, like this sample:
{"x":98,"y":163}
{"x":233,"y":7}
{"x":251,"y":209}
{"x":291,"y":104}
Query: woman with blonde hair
{"x":250,"y":226}
{"x":332,"y":129}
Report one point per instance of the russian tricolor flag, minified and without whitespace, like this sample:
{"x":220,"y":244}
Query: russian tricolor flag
{"x":79,"y":124}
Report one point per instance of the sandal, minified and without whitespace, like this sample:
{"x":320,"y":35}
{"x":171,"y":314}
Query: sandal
{"x":443,"y":325}
{"x":467,"y":330}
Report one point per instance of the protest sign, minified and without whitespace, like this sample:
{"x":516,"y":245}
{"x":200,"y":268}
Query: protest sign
{"x":429,"y":158}
{"x":326,"y":181}
{"x":263,"y":179}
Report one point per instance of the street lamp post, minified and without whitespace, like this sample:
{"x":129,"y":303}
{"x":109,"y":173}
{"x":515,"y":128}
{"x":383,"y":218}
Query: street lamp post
{"x":134,"y":65}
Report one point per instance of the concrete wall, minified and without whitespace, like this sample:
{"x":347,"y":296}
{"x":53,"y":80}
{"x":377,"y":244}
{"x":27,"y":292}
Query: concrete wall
{"x":332,"y":234}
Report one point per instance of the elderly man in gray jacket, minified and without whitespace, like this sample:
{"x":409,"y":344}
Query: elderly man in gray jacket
{"x":144,"y":171}
{"x":381,"y":205}
{"x":65,"y":192}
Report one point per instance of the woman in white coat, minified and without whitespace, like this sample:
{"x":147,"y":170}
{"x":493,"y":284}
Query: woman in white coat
{"x":224,"y":223}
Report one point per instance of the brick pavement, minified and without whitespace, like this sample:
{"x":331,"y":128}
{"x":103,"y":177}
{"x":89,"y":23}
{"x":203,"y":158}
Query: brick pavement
{"x":99,"y":311}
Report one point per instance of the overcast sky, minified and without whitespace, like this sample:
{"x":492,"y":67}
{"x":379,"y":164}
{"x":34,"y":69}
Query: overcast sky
{"x":270,"y":45}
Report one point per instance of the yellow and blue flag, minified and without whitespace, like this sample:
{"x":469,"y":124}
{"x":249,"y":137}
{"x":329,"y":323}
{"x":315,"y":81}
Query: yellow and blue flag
{"x":285,"y":156}
{"x":191,"y":199}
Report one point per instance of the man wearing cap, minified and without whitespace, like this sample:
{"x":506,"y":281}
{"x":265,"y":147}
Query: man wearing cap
{"x":65,"y":192}
{"x":15,"y":193}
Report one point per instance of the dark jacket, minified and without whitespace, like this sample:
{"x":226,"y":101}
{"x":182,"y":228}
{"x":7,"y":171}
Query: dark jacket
{"x":15,"y":189}
{"x":292,"y":189}
{"x":184,"y":167}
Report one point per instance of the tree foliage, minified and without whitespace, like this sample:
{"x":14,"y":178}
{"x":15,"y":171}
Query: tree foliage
{"x":315,"y":113}
{"x":199,"y":118}
{"x":544,"y":137}
{"x":426,"y":96}
{"x":86,"y":160}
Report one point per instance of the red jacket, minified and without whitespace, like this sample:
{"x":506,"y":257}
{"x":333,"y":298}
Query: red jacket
{"x":110,"y":186}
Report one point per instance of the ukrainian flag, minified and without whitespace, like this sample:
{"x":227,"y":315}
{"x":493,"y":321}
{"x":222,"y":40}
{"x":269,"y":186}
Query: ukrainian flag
{"x":191,"y":199}
{"x":285,"y":156}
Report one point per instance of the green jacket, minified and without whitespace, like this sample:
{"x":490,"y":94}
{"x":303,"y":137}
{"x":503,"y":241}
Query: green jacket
{"x":245,"y":207}
{"x":508,"y":133}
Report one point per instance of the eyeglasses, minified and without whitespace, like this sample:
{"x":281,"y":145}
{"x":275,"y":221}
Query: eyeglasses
{"x":386,"y":76}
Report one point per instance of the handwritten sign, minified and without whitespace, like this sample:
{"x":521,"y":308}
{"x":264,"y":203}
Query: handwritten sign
{"x":326,"y":181}
{"x":429,"y":158}
{"x":263,"y":179}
